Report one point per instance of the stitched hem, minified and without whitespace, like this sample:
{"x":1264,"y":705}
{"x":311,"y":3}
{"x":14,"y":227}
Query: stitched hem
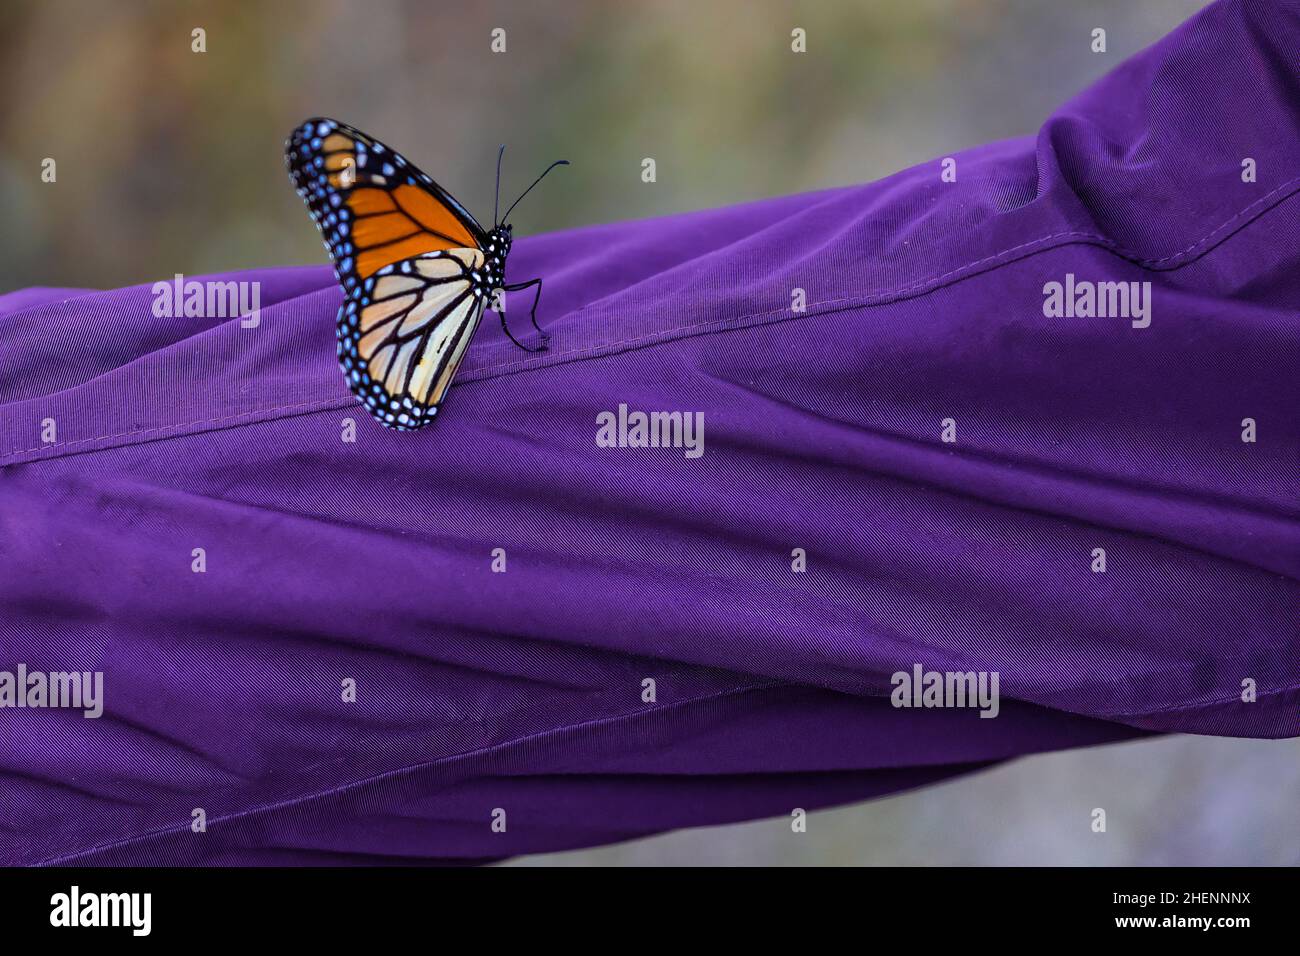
{"x":971,"y":269}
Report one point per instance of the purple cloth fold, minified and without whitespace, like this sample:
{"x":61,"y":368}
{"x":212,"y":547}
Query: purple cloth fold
{"x":524,"y":691}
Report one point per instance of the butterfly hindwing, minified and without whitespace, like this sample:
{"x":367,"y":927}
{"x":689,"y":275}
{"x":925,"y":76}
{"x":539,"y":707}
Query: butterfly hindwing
{"x":404,"y":331}
{"x":410,"y":259}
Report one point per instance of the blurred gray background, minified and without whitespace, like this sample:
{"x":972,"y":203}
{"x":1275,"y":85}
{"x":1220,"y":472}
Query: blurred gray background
{"x":1169,"y":801}
{"x":170,"y":161}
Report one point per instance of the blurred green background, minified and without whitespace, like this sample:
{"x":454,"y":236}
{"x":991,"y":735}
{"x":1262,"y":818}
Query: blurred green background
{"x":170,"y":161}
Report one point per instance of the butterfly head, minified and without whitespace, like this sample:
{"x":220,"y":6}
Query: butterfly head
{"x":501,"y":237}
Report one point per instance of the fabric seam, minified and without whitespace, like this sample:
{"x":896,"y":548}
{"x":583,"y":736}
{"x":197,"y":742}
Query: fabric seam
{"x":554,"y":731}
{"x":925,"y":287}
{"x":594,"y":722}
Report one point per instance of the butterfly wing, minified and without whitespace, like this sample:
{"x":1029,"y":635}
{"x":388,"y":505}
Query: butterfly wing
{"x":409,"y":258}
{"x":404,"y":331}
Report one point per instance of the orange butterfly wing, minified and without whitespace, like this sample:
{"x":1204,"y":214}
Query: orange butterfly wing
{"x":374,"y":208}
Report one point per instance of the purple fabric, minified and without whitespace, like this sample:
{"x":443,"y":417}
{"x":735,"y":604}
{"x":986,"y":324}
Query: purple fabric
{"x":522,"y":690}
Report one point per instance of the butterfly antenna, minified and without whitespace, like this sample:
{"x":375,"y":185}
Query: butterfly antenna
{"x":496,"y":203}
{"x":558,"y":162}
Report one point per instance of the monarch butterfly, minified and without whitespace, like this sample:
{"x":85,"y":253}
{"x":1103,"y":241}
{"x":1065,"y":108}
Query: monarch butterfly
{"x":417,"y":270}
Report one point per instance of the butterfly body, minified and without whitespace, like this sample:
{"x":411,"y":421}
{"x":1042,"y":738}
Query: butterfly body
{"x":416,"y":268}
{"x":498,"y":248}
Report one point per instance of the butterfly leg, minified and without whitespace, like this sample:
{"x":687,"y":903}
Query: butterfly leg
{"x":506,"y":328}
{"x":536,"y":299}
